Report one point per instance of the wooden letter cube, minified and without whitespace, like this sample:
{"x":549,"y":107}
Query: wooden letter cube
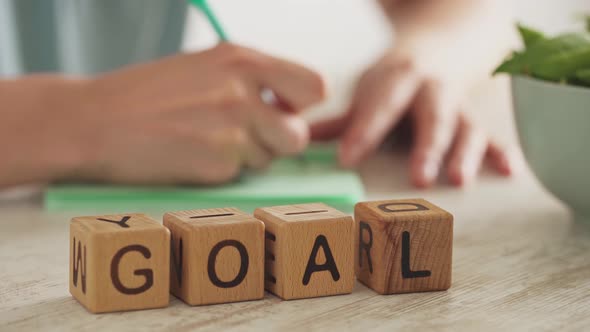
{"x":403,"y":246}
{"x":217,"y":256}
{"x":309,"y":250}
{"x":119,"y":262}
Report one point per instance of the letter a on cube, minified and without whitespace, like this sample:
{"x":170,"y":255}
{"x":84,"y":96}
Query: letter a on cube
{"x":119,"y":262}
{"x":403,"y":246}
{"x":309,"y":250}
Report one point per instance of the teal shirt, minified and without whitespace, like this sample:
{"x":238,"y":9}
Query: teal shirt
{"x":86,"y":36}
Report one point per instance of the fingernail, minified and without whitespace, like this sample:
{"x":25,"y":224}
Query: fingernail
{"x":512,"y":163}
{"x":430,"y":171}
{"x":468,"y":171}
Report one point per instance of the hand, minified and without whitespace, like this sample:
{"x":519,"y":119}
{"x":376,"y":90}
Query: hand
{"x":442,"y":133}
{"x":188,"y":118}
{"x":198,"y":118}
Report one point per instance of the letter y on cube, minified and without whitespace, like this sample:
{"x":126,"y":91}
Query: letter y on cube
{"x":119,"y":262}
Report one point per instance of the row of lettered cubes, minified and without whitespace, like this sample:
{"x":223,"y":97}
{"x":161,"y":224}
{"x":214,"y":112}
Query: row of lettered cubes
{"x":130,"y":261}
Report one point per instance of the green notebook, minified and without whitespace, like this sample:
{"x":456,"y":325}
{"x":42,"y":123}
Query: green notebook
{"x":314,"y":177}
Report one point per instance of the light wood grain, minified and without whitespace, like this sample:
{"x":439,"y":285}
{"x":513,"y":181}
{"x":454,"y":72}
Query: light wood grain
{"x":519,"y":263}
{"x":403,"y":246}
{"x":119,"y":262}
{"x":309,"y":249}
{"x":217,"y":256}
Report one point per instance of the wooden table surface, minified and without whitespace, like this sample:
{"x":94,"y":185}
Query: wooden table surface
{"x":520,"y":262}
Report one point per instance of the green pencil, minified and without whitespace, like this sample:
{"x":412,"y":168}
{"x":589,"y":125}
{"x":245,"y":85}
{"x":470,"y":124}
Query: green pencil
{"x":203,"y":6}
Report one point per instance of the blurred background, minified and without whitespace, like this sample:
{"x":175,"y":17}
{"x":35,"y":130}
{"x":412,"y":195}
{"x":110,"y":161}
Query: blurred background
{"x":549,"y":15}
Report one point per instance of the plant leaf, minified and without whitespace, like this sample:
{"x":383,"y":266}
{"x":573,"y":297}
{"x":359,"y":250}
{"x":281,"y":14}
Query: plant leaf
{"x":529,"y":36}
{"x":553,"y":59}
{"x":515,"y":64}
{"x":583,"y":75}
{"x":562,"y":65}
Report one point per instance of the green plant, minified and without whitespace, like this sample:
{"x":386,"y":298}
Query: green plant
{"x":564,"y":58}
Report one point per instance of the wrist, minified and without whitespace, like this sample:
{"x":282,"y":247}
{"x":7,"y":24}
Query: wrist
{"x":38,"y":132}
{"x":451,"y":65}
{"x":65,"y":135}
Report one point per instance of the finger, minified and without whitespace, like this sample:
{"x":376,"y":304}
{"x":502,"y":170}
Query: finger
{"x":330,"y":129}
{"x":269,"y":97}
{"x":506,"y":160}
{"x":283,"y":134}
{"x":435,"y":121}
{"x":255,"y":155}
{"x":294,"y":85}
{"x":499,"y":159}
{"x":220,"y":157}
{"x":467,"y":154}
{"x":375,"y":111}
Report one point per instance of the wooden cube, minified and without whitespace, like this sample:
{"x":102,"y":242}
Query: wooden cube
{"x":217,"y":256}
{"x":119,"y":262}
{"x":403,"y":246}
{"x":309,"y":250}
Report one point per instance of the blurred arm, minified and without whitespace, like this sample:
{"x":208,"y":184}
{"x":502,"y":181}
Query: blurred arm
{"x":461,"y":38}
{"x":33,"y":109}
